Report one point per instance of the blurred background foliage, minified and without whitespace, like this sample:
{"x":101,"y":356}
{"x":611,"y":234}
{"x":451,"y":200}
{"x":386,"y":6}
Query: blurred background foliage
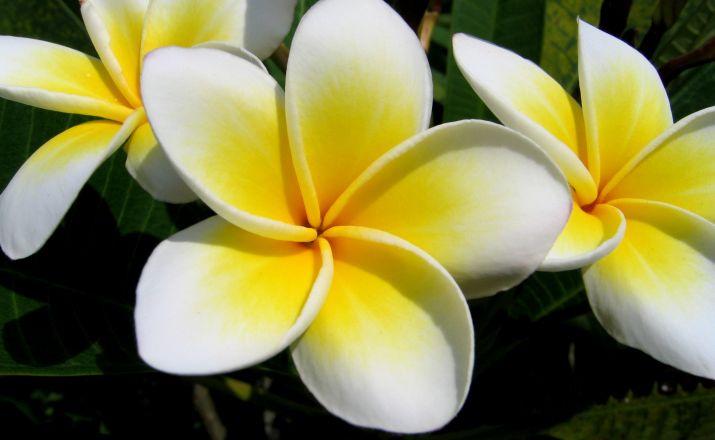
{"x":545,"y":368}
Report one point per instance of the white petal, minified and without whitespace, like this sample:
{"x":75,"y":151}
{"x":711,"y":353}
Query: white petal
{"x":215,"y":298}
{"x":41,"y":192}
{"x":234,"y":50}
{"x":393,"y":346}
{"x":358,"y":84}
{"x":586,"y":238}
{"x":656,"y":291}
{"x":221,"y":122}
{"x":148,"y":164}
{"x":483,"y":200}
{"x":527,"y":99}
{"x":257,"y":25}
{"x":55,"y":77}
{"x":115,"y":28}
{"x":625,"y":105}
{"x":677,"y":168}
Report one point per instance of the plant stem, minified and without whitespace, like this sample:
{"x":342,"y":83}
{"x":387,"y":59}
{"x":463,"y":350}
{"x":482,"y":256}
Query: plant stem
{"x":280,"y":57}
{"x":702,"y":55}
{"x":428,"y":22}
{"x":207,"y":410}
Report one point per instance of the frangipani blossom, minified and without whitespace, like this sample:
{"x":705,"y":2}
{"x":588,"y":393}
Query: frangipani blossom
{"x":58,"y":78}
{"x":341,"y":221}
{"x":643,"y":189}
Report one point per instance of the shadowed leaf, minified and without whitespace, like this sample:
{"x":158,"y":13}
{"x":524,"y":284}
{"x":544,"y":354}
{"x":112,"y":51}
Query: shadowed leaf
{"x":684,"y":415}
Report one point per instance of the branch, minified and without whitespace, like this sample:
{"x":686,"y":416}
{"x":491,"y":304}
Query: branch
{"x":280,"y":57}
{"x":702,"y":55}
{"x":207,"y":410}
{"x":428,"y":22}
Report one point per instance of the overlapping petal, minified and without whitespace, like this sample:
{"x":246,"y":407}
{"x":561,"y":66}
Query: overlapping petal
{"x":656,"y":291}
{"x":358,"y":84}
{"x":115,"y":28}
{"x":393,"y":345}
{"x":679,"y":168}
{"x":215,"y":298}
{"x":624,"y":103}
{"x":257,"y":25}
{"x":483,"y":200}
{"x":527,"y":99}
{"x":586,"y":238}
{"x":55,"y":77}
{"x":220,"y":119}
{"x":234,"y":50}
{"x":148,"y":164}
{"x":41,"y":192}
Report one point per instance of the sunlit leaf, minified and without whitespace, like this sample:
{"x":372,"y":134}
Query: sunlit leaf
{"x":560,"y":48}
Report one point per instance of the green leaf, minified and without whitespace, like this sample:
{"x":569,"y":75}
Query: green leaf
{"x":543,"y":31}
{"x":684,"y":415}
{"x":506,"y":23}
{"x":545,"y":293}
{"x":50,"y":20}
{"x":559,"y":55}
{"x":641,"y":17}
{"x":695,"y":25}
{"x":692,"y":91}
{"x":67,"y":310}
{"x":441,"y":35}
{"x":439,"y":85}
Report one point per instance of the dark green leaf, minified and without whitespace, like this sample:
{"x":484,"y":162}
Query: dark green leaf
{"x":559,"y":56}
{"x":657,"y":417}
{"x":545,"y":293}
{"x":641,"y":17}
{"x":692,"y":91}
{"x":50,"y":20}
{"x":439,"y":84}
{"x":441,"y":35}
{"x":695,"y":25}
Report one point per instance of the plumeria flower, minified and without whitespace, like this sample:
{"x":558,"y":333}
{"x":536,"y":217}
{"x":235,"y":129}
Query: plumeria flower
{"x":643,"y":189}
{"x":58,"y":78}
{"x":341,"y":221}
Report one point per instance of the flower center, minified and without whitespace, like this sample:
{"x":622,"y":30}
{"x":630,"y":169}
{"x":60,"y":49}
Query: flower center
{"x":589,"y":207}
